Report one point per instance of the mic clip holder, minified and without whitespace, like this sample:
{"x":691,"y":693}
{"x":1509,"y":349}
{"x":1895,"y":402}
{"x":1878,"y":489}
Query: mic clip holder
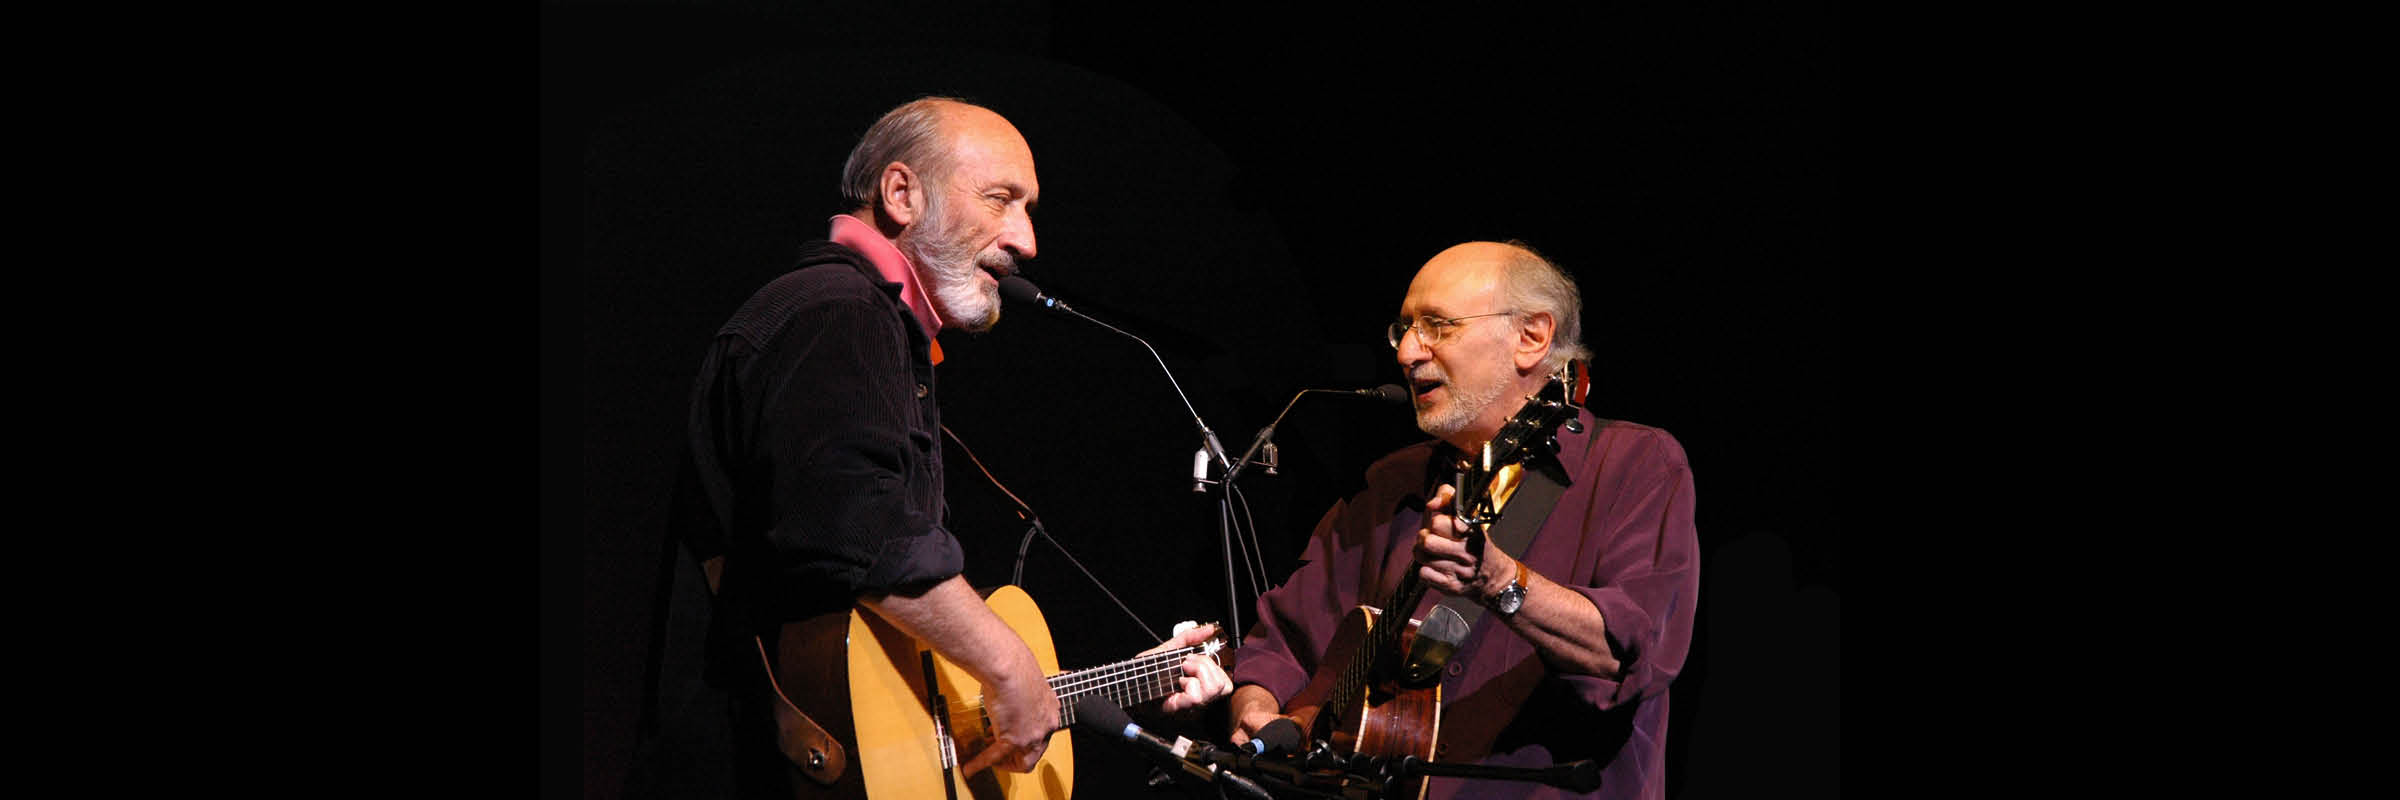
{"x":1262,"y":450}
{"x":1262,"y":453}
{"x":1210,"y":452}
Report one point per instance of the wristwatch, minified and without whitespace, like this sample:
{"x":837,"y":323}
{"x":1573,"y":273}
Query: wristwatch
{"x":1513,"y":597}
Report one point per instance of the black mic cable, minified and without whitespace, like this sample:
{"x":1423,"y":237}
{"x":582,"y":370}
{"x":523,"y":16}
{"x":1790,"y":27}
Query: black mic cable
{"x":1016,"y":287}
{"x":1254,"y":557}
{"x":1017,"y":578}
{"x":1100,"y":716}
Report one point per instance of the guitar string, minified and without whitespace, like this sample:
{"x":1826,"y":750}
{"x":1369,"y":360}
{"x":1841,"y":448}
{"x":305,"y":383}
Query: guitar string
{"x":1385,"y":639}
{"x":1086,"y":681}
{"x":1103,"y":678}
{"x":1374,"y":643}
{"x":1159,"y":682}
{"x":1352,"y":674}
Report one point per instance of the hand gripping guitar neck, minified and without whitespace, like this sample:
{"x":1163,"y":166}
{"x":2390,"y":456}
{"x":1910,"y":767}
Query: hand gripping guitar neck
{"x":1378,"y":689}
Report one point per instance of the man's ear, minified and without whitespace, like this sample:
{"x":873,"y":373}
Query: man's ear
{"x":1534,"y":334}
{"x":902,"y":195}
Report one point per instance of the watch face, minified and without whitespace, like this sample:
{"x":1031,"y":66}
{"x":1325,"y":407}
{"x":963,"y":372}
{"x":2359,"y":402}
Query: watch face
{"x":1510,"y":599}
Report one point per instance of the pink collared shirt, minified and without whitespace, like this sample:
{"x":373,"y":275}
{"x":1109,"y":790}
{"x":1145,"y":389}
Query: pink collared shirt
{"x":849,"y":232}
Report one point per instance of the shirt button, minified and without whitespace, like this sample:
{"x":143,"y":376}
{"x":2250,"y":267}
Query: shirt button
{"x":1457,"y":668}
{"x":920,"y":390}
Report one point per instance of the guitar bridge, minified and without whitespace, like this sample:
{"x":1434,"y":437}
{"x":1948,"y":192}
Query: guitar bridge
{"x":939,"y":706}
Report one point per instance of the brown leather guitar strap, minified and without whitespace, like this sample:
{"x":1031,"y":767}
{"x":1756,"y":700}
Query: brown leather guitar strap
{"x":812,"y":751}
{"x":1544,"y":482}
{"x":1537,"y":493}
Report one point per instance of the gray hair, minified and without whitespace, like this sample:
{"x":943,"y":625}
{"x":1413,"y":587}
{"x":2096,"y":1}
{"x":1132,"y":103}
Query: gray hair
{"x":909,"y":134}
{"x":1534,"y":284}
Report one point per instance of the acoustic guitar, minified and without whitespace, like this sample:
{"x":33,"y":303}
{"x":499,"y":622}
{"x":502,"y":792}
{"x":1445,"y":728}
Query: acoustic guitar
{"x":909,"y":718}
{"x":1377,"y":692}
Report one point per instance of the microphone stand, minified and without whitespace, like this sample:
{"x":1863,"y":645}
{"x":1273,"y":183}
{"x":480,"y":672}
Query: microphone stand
{"x":1018,"y":289}
{"x":1210,"y":450}
{"x":1291,"y":778}
{"x":1265,"y":439}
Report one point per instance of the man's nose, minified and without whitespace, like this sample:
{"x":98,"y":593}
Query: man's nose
{"x":1017,"y":236}
{"x":1412,"y":349}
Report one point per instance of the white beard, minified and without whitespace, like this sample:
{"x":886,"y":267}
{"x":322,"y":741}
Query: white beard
{"x":950,"y":265}
{"x":1466,"y":403}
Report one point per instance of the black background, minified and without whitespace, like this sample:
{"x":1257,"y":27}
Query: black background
{"x":1248,"y":191}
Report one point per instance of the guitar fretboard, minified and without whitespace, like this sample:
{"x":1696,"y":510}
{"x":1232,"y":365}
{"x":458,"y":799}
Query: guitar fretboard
{"x":1124,"y":683}
{"x":1382,"y":641}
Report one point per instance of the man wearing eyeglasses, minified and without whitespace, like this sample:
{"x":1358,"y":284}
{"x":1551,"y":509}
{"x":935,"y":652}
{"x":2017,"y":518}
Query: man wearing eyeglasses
{"x":1581,"y":614}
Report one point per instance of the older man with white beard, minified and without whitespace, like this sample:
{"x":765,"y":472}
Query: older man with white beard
{"x":1583,"y":626}
{"x":815,"y":474}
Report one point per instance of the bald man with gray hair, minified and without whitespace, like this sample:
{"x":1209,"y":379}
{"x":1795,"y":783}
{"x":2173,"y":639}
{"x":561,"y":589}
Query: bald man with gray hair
{"x":1580,"y":599}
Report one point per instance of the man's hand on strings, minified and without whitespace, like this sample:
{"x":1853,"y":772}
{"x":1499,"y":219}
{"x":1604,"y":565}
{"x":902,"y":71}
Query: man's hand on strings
{"x":1203,"y":679}
{"x":1445,"y":563}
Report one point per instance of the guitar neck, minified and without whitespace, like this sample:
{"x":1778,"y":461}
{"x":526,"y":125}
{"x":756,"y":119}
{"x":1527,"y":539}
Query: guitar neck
{"x":1379,"y":645}
{"x":1124,"y":683}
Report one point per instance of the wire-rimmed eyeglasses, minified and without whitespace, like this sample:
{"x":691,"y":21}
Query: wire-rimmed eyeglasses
{"x":1430,"y":330}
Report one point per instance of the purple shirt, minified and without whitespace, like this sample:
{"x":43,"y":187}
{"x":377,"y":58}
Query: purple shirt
{"x":1621,"y":535}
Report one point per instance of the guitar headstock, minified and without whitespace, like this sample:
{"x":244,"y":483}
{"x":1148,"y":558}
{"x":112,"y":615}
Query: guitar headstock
{"x":1530,"y":434}
{"x":1214,"y":647}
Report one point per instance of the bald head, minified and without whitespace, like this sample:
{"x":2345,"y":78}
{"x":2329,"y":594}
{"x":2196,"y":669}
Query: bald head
{"x":951,"y":185}
{"x":927,"y":134}
{"x":1524,"y":280}
{"x":1475,"y":263}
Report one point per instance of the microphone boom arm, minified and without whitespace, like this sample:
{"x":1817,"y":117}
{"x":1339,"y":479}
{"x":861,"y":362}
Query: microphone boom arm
{"x":1208,"y":437}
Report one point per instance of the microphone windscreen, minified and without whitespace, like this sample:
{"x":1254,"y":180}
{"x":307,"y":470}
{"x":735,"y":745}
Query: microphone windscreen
{"x":1098,"y":715}
{"x":1392,"y":393}
{"x":1583,"y":776}
{"x":1281,"y":735}
{"x":1019,"y":290}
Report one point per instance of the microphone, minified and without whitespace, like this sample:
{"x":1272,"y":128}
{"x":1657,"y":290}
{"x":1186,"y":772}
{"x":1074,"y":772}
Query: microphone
{"x":1098,"y":715}
{"x":1279,"y":736}
{"x":1017,"y":289}
{"x":1389,"y":393}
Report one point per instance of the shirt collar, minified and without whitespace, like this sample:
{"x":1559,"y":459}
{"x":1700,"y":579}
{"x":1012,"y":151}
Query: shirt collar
{"x":850,"y":232}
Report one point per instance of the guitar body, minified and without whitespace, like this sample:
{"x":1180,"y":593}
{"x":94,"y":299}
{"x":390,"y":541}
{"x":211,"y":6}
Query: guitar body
{"x":1383,"y":718}
{"x":1360,"y":700}
{"x":866,"y":682}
